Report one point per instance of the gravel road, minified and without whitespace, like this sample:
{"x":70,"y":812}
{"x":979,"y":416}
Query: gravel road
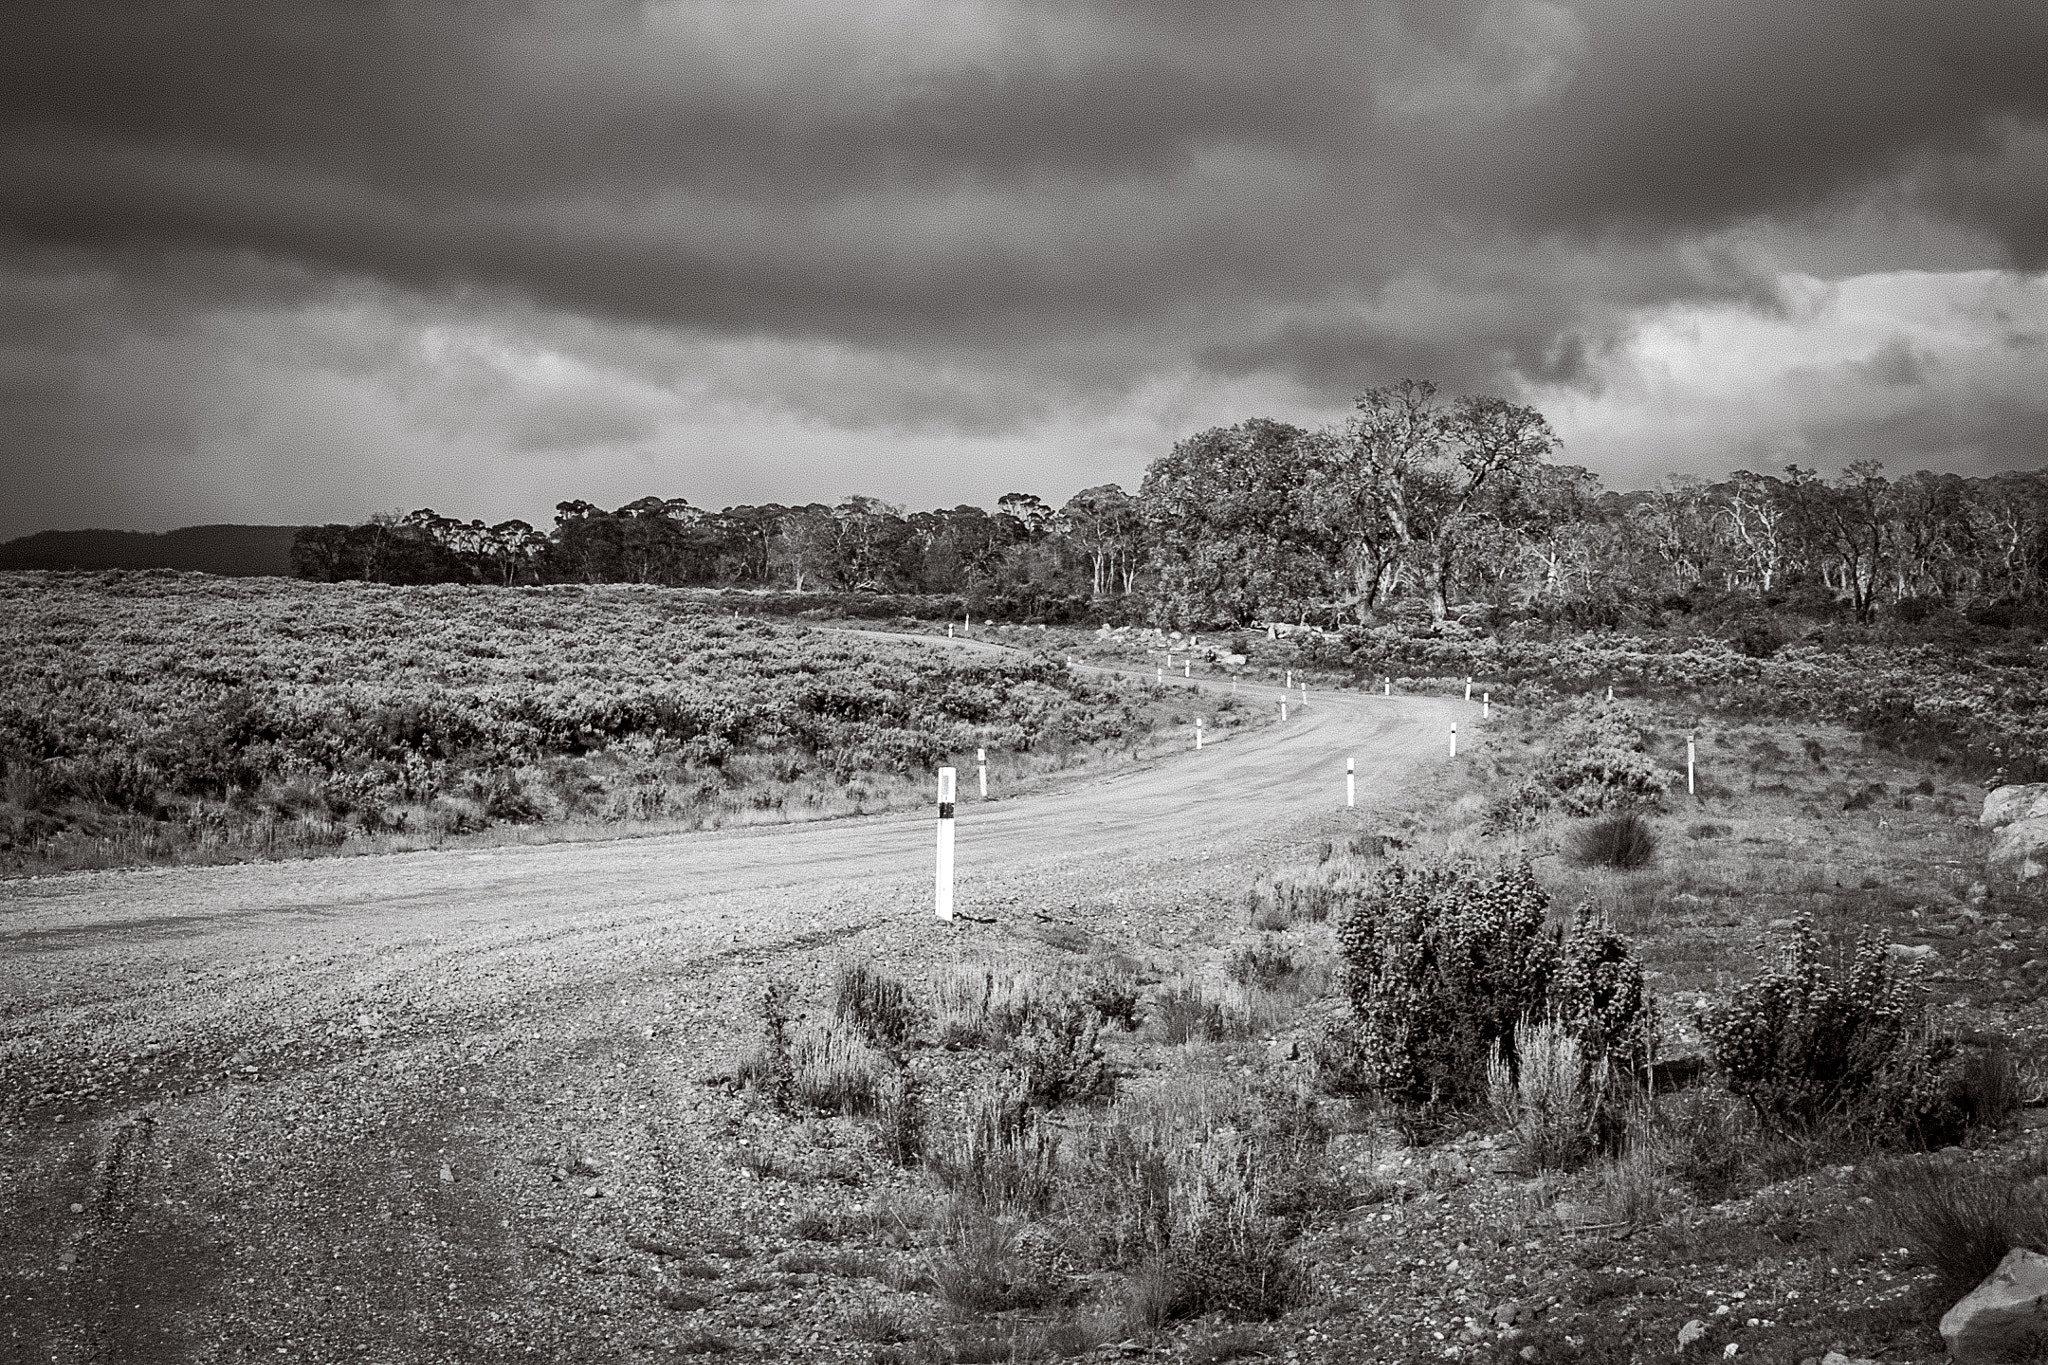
{"x":424,"y":1106}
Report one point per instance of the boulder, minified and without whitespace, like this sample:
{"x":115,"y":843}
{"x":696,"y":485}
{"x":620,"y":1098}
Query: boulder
{"x":2004,"y":805}
{"x":2005,"y":1314}
{"x":2020,"y":851}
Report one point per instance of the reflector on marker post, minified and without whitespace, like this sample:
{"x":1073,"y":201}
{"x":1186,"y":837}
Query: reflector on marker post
{"x":1350,"y":782}
{"x":944,"y":886}
{"x":981,"y":769}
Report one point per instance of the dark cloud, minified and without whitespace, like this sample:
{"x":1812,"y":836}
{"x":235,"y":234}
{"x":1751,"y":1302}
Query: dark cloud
{"x":1044,"y":202}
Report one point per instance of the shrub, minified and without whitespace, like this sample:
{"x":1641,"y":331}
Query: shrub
{"x":899,"y":1105}
{"x":1113,"y":994}
{"x":1238,"y":1272}
{"x":1443,"y":960}
{"x":1596,"y":989}
{"x":1623,"y":841}
{"x":1440,"y":962}
{"x":767,"y":1065}
{"x":1597,"y":762}
{"x":1060,"y":1058}
{"x":878,"y":1005}
{"x":1806,"y":1045}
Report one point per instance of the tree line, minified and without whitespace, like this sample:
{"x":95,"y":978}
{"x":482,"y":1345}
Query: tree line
{"x":1413,"y":503}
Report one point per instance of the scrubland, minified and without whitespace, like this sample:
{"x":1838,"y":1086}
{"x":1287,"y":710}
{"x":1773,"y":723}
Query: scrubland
{"x":162,"y":718}
{"x":1773,"y":1089}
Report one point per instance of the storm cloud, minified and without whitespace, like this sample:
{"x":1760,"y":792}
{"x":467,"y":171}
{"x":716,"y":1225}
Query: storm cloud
{"x":497,"y":256}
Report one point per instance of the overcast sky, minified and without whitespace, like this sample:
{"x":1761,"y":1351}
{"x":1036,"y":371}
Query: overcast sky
{"x":301,"y":261}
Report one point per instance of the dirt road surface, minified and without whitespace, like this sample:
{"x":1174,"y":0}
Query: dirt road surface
{"x":423,"y":1107}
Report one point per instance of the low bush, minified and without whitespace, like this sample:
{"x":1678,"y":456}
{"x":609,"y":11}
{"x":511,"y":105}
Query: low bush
{"x":1624,"y":841}
{"x":1808,"y":1044}
{"x":1113,"y":993}
{"x":1442,"y":960}
{"x":984,"y":1270}
{"x":978,"y":1005}
{"x":1059,"y":1059}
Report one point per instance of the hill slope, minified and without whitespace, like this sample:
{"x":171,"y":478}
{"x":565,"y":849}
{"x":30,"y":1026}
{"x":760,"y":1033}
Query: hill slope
{"x":237,"y":551}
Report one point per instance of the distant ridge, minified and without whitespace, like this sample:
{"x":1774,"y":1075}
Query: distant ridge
{"x":236,"y":551}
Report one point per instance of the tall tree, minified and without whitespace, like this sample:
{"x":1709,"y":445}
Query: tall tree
{"x":1221,"y":514}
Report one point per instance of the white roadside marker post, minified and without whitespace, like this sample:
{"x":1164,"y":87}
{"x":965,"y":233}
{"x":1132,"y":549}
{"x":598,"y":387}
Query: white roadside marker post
{"x":1233,"y":684}
{"x":1350,"y":782}
{"x":1610,"y":691}
{"x":1486,"y":706}
{"x":1283,"y":710}
{"x":1468,"y":687}
{"x":1389,"y":688}
{"x":944,"y":884}
{"x":1187,"y":668}
{"x":949,"y":630}
{"x":1688,"y":764}
{"x":981,"y":770}
{"x":1290,"y":680}
{"x":1158,"y":673}
{"x":1198,"y":734}
{"x":1454,"y":741}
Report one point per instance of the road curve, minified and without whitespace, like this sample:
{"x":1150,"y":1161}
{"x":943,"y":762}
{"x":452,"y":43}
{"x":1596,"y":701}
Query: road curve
{"x":399,"y":1042}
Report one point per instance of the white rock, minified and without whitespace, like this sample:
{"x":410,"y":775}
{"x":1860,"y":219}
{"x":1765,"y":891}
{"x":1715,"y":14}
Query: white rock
{"x":1913,"y":952}
{"x":2020,"y":851}
{"x":2007,"y":1311}
{"x":2005,"y":805}
{"x":1691,"y":1332}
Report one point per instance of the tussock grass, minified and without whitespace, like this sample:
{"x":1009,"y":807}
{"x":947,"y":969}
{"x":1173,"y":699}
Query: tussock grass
{"x":1625,"y":841}
{"x":1960,"y":1221}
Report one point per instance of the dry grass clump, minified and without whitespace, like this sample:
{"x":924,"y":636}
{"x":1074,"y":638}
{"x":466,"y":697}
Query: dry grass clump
{"x":1005,"y":1161}
{"x":877,"y":1005}
{"x":975,"y":1004}
{"x":837,"y":1071}
{"x":1550,"y":1096}
{"x":1961,"y":1220}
